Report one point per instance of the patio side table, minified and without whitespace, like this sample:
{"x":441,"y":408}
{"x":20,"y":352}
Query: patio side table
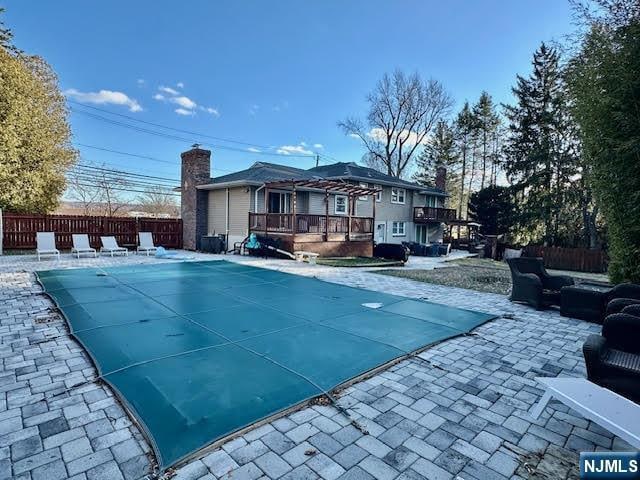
{"x":585,"y":301}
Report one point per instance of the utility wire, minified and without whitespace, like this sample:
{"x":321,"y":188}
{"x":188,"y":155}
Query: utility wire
{"x":179,"y":138}
{"x":125,"y":189}
{"x":123,"y":172}
{"x":198,"y":134}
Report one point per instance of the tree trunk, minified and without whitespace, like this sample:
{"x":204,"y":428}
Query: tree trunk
{"x":462,"y":175}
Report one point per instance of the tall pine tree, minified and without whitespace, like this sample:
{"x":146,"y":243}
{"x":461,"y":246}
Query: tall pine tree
{"x":487,"y":124}
{"x":464,"y":127}
{"x":440,"y":151}
{"x":541,"y":148}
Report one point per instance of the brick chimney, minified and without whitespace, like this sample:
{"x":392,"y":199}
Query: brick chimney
{"x":441,"y":178}
{"x":196,"y":170}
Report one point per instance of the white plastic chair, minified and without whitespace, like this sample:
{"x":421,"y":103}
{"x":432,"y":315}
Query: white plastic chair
{"x":146,"y":243}
{"x":109,"y":245}
{"x":46,"y":244}
{"x":81,"y":245}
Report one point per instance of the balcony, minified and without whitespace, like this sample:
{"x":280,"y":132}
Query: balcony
{"x":433,"y":214}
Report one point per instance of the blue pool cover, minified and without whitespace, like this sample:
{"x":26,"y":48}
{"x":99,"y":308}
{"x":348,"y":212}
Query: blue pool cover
{"x":199,"y":350}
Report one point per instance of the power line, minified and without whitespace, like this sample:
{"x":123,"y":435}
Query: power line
{"x":125,"y":189}
{"x":128,"y":154}
{"x":175,"y":137}
{"x":110,"y":178}
{"x":111,"y":170}
{"x":198,"y":134}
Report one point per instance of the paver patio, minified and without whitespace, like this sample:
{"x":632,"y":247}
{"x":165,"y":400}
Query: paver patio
{"x":459,"y":409}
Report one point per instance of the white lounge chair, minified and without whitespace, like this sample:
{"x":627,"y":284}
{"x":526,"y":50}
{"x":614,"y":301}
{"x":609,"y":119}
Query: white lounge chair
{"x":606,"y":408}
{"x":109,"y":245}
{"x":46,"y":244}
{"x":81,"y":245}
{"x":146,"y":243}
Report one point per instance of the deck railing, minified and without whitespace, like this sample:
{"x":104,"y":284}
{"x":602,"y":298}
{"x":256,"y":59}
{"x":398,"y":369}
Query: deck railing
{"x":433,"y":213}
{"x":285,"y":223}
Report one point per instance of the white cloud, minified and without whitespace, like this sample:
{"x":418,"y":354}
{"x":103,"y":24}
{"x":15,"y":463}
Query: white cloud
{"x":293,"y":149}
{"x":304,"y":144}
{"x":168,"y":90}
{"x":184,"y":102}
{"x":105,"y":97}
{"x":253,"y":109}
{"x":281,"y":106}
{"x":379,"y":135}
{"x":141,"y":82}
{"x":353,"y":135}
{"x":254,"y":150}
{"x":318,"y":146}
{"x":184,"y":111}
{"x":186,"y":105}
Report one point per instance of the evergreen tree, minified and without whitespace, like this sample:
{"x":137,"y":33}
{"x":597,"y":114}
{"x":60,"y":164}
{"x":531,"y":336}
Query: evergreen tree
{"x":440,"y":151}
{"x":487,"y":121}
{"x":464,"y":128}
{"x":493,"y":207}
{"x":542,"y":148}
{"x":604,"y":81}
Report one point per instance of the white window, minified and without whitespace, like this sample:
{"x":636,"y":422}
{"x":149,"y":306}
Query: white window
{"x":397,"y":195}
{"x":364,"y":198}
{"x":397,"y":229}
{"x":378,"y":193}
{"x":341,"y":204}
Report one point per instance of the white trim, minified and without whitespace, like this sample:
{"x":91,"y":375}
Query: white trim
{"x":404,"y":195}
{"x":346,"y":204}
{"x":363,"y":198}
{"x":404,"y":229}
{"x":378,"y":194}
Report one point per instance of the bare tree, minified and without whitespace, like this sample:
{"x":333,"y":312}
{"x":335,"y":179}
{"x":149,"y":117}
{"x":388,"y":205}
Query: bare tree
{"x":87,"y":195}
{"x":99,"y":190}
{"x":403,"y":110}
{"x":158,"y":202}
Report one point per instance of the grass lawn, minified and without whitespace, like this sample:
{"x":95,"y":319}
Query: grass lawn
{"x":483,"y":275}
{"x":358,"y":262}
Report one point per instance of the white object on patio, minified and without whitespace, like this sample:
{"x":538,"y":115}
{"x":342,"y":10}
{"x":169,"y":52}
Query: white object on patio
{"x":81,"y":245}
{"x":109,"y":245}
{"x":309,"y":256}
{"x":511,"y":253}
{"x":146,"y":243}
{"x":606,"y":408}
{"x":46,"y":244}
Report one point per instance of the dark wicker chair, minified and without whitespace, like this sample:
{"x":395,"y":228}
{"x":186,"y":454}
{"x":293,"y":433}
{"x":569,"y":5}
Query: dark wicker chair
{"x":622,"y":296}
{"x":530,"y":283}
{"x":613,"y":358}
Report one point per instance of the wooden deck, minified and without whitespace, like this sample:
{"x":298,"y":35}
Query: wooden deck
{"x":328,"y":235}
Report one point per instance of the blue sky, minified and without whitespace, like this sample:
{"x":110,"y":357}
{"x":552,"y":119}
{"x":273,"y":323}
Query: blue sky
{"x":273,"y":73}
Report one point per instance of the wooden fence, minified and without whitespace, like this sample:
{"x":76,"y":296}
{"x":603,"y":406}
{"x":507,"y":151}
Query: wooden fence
{"x":19,"y":231}
{"x":576,"y":259}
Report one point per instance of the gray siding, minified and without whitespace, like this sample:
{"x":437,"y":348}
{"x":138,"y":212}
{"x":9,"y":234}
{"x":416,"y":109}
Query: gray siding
{"x":236,"y":223}
{"x":216,"y":222}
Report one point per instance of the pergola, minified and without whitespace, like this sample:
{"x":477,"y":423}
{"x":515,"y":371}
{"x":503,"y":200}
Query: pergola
{"x":327,"y":186}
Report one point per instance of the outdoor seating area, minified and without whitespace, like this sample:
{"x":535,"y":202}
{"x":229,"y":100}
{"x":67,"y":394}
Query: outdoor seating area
{"x":46,"y":245}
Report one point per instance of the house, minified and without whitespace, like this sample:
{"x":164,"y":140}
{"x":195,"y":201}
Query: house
{"x":335,"y":210}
